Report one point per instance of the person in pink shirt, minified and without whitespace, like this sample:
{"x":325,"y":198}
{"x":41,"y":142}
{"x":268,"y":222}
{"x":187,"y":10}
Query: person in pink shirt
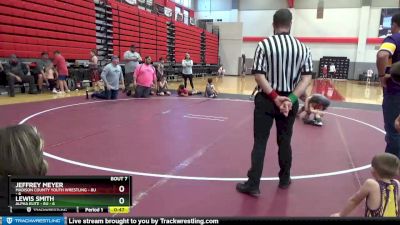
{"x":144,"y":79}
{"x":62,"y":71}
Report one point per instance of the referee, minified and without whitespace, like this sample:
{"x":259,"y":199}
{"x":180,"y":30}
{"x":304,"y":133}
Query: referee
{"x":282,"y":68}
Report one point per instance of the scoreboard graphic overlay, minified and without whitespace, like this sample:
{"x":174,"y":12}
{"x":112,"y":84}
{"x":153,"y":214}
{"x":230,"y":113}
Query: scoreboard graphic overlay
{"x":94,"y":194}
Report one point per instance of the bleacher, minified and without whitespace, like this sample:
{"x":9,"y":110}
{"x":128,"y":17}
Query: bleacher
{"x":187,"y":40}
{"x":146,"y":31}
{"x":212,"y":46}
{"x":32,"y":26}
{"x":29,"y":27}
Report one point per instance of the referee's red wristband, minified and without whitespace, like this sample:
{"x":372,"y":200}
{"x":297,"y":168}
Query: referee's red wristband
{"x":273,"y":95}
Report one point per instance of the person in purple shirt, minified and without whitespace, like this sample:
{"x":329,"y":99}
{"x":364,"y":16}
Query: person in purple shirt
{"x":389,"y":77}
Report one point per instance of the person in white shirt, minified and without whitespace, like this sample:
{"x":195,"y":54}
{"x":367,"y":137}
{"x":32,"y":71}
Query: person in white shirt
{"x":221,"y":71}
{"x":325,"y":72}
{"x":369,"y":75}
{"x":332,"y":70}
{"x":187,"y":72}
{"x":132,"y":59}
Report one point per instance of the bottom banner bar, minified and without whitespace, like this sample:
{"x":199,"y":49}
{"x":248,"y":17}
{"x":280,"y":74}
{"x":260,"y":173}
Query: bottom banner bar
{"x":224,"y":220}
{"x":32,"y":220}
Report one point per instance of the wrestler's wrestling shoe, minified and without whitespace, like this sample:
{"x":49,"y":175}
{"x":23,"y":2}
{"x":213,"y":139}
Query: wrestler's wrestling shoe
{"x":308,"y":121}
{"x":318,"y":122}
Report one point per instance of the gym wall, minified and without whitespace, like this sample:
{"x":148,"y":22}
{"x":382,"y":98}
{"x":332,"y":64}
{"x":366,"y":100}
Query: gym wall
{"x":348,"y":28}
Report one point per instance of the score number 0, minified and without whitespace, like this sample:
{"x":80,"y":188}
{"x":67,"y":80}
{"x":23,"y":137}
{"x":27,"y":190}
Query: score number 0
{"x":121,"y":189}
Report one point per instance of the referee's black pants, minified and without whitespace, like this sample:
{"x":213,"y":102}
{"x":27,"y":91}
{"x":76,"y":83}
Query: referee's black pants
{"x":265,"y":112}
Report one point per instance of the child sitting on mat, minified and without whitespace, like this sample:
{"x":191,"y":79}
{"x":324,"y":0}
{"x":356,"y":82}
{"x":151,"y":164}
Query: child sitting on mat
{"x":163,"y":87}
{"x":314,"y":104}
{"x":183,"y":92}
{"x":210,"y":89}
{"x":381,"y":193}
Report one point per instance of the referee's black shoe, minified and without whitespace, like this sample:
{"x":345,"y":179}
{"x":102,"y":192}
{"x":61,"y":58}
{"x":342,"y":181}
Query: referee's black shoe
{"x":245,"y":188}
{"x":285,"y":184}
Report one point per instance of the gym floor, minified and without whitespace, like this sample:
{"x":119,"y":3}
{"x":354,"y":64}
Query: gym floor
{"x":187,"y":154}
{"x":350,"y":91}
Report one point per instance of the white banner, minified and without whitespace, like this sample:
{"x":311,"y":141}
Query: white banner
{"x":168,"y":12}
{"x":149,"y":2}
{"x":192,"y":21}
{"x":131,"y":2}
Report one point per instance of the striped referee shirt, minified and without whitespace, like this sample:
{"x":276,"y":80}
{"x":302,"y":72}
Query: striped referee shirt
{"x":283,"y":59}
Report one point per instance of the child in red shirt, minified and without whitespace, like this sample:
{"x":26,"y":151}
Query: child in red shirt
{"x":62,"y":71}
{"x":183,"y":92}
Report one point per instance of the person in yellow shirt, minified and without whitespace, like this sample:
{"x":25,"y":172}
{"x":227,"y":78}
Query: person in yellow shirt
{"x":381,"y":193}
